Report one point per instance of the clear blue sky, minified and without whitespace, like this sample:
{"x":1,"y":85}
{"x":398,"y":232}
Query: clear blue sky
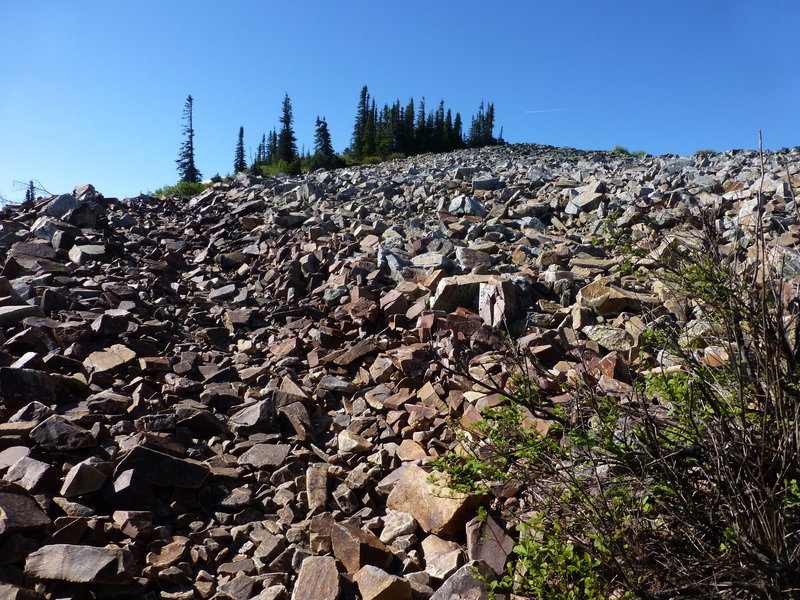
{"x":92,"y":91}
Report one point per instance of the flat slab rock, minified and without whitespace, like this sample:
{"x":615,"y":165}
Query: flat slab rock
{"x":19,"y":512}
{"x":80,"y":564}
{"x":158,"y":468}
{"x":318,"y":580}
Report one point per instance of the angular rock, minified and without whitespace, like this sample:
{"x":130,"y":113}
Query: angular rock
{"x":436,"y":508}
{"x":318,"y":579}
{"x":80,"y":564}
{"x":162,"y":469}
{"x":468,"y":583}
{"x":265,"y":455}
{"x":355,"y":547}
{"x":58,"y":433}
{"x":487,"y":541}
{"x":19,"y":512}
{"x":376,"y":584}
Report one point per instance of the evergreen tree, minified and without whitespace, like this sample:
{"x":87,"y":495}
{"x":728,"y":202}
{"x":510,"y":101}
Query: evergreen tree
{"x":480,"y":131}
{"x":408,"y":129}
{"x":261,"y":152}
{"x":287,"y":143}
{"x":323,"y":148}
{"x":360,"y":126}
{"x":421,"y":130}
{"x":439,"y":142}
{"x":30,"y":193}
{"x":370,"y":132}
{"x":449,"y":140}
{"x":238,"y":161}
{"x":458,"y":134}
{"x":186,"y":167}
{"x":272,"y":148}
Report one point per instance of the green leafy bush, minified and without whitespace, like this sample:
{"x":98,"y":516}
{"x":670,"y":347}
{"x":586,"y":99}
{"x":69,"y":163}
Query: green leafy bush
{"x":686,"y":487}
{"x":620,"y":151}
{"x":182,"y":188}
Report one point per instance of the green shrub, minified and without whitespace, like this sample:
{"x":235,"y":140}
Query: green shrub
{"x":182,"y":188}
{"x":705,"y":152}
{"x":620,"y":151}
{"x":688,"y":487}
{"x":395,"y":156}
{"x":370,"y":160}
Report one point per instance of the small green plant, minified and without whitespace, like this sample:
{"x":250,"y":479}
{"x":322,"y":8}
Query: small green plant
{"x":620,"y":151}
{"x":371,"y":160}
{"x":684,"y":487}
{"x":705,"y":152}
{"x":182,"y":188}
{"x":548,"y":564}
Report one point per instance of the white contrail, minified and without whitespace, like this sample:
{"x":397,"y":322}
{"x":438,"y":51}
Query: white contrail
{"x":546,"y":110}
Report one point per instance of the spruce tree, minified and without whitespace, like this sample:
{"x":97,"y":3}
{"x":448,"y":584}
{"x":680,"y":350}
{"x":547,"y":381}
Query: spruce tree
{"x":238,"y":161}
{"x":272,"y":148}
{"x":287,"y":143}
{"x":323,"y":148}
{"x":458,"y":134}
{"x":186,"y":167}
{"x":30,"y":193}
{"x":408,"y":129}
{"x":360,"y":126}
{"x":421,"y":129}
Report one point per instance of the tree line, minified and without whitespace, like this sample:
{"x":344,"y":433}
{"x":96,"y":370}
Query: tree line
{"x":391,"y":131}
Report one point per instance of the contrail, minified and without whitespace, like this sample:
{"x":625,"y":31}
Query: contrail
{"x":546,"y":110}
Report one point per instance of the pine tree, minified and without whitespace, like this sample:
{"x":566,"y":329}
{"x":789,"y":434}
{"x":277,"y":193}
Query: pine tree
{"x":361,"y":124}
{"x":408,"y":145}
{"x":238,"y":161}
{"x":30,"y":193}
{"x":323,"y":148}
{"x":186,"y":167}
{"x":458,"y":134}
{"x":272,"y":148}
{"x":287,"y":142}
{"x":421,"y":129}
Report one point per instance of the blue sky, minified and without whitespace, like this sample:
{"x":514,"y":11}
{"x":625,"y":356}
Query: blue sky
{"x":92,"y":91}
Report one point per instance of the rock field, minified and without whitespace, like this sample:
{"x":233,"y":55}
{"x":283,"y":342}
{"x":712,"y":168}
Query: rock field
{"x":235,"y":396}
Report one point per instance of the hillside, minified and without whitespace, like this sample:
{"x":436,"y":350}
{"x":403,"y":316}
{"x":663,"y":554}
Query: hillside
{"x":239,"y":395}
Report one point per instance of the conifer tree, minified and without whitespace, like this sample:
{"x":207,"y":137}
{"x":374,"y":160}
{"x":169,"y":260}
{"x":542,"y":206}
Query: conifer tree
{"x":408,"y":129}
{"x":186,"y":167}
{"x":458,"y":134}
{"x":272,"y":148}
{"x":323,"y":148}
{"x":421,"y":129}
{"x":30,"y":193}
{"x":287,"y":142}
{"x":238,"y":161}
{"x":359,"y":139}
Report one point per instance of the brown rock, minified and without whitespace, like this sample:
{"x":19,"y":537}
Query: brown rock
{"x":487,"y":541}
{"x":19,"y":512}
{"x":80,"y":564}
{"x":109,"y":360}
{"x":318,"y":579}
{"x":265,"y":455}
{"x":356,"y":547}
{"x":436,"y":508}
{"x":377,"y":584}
